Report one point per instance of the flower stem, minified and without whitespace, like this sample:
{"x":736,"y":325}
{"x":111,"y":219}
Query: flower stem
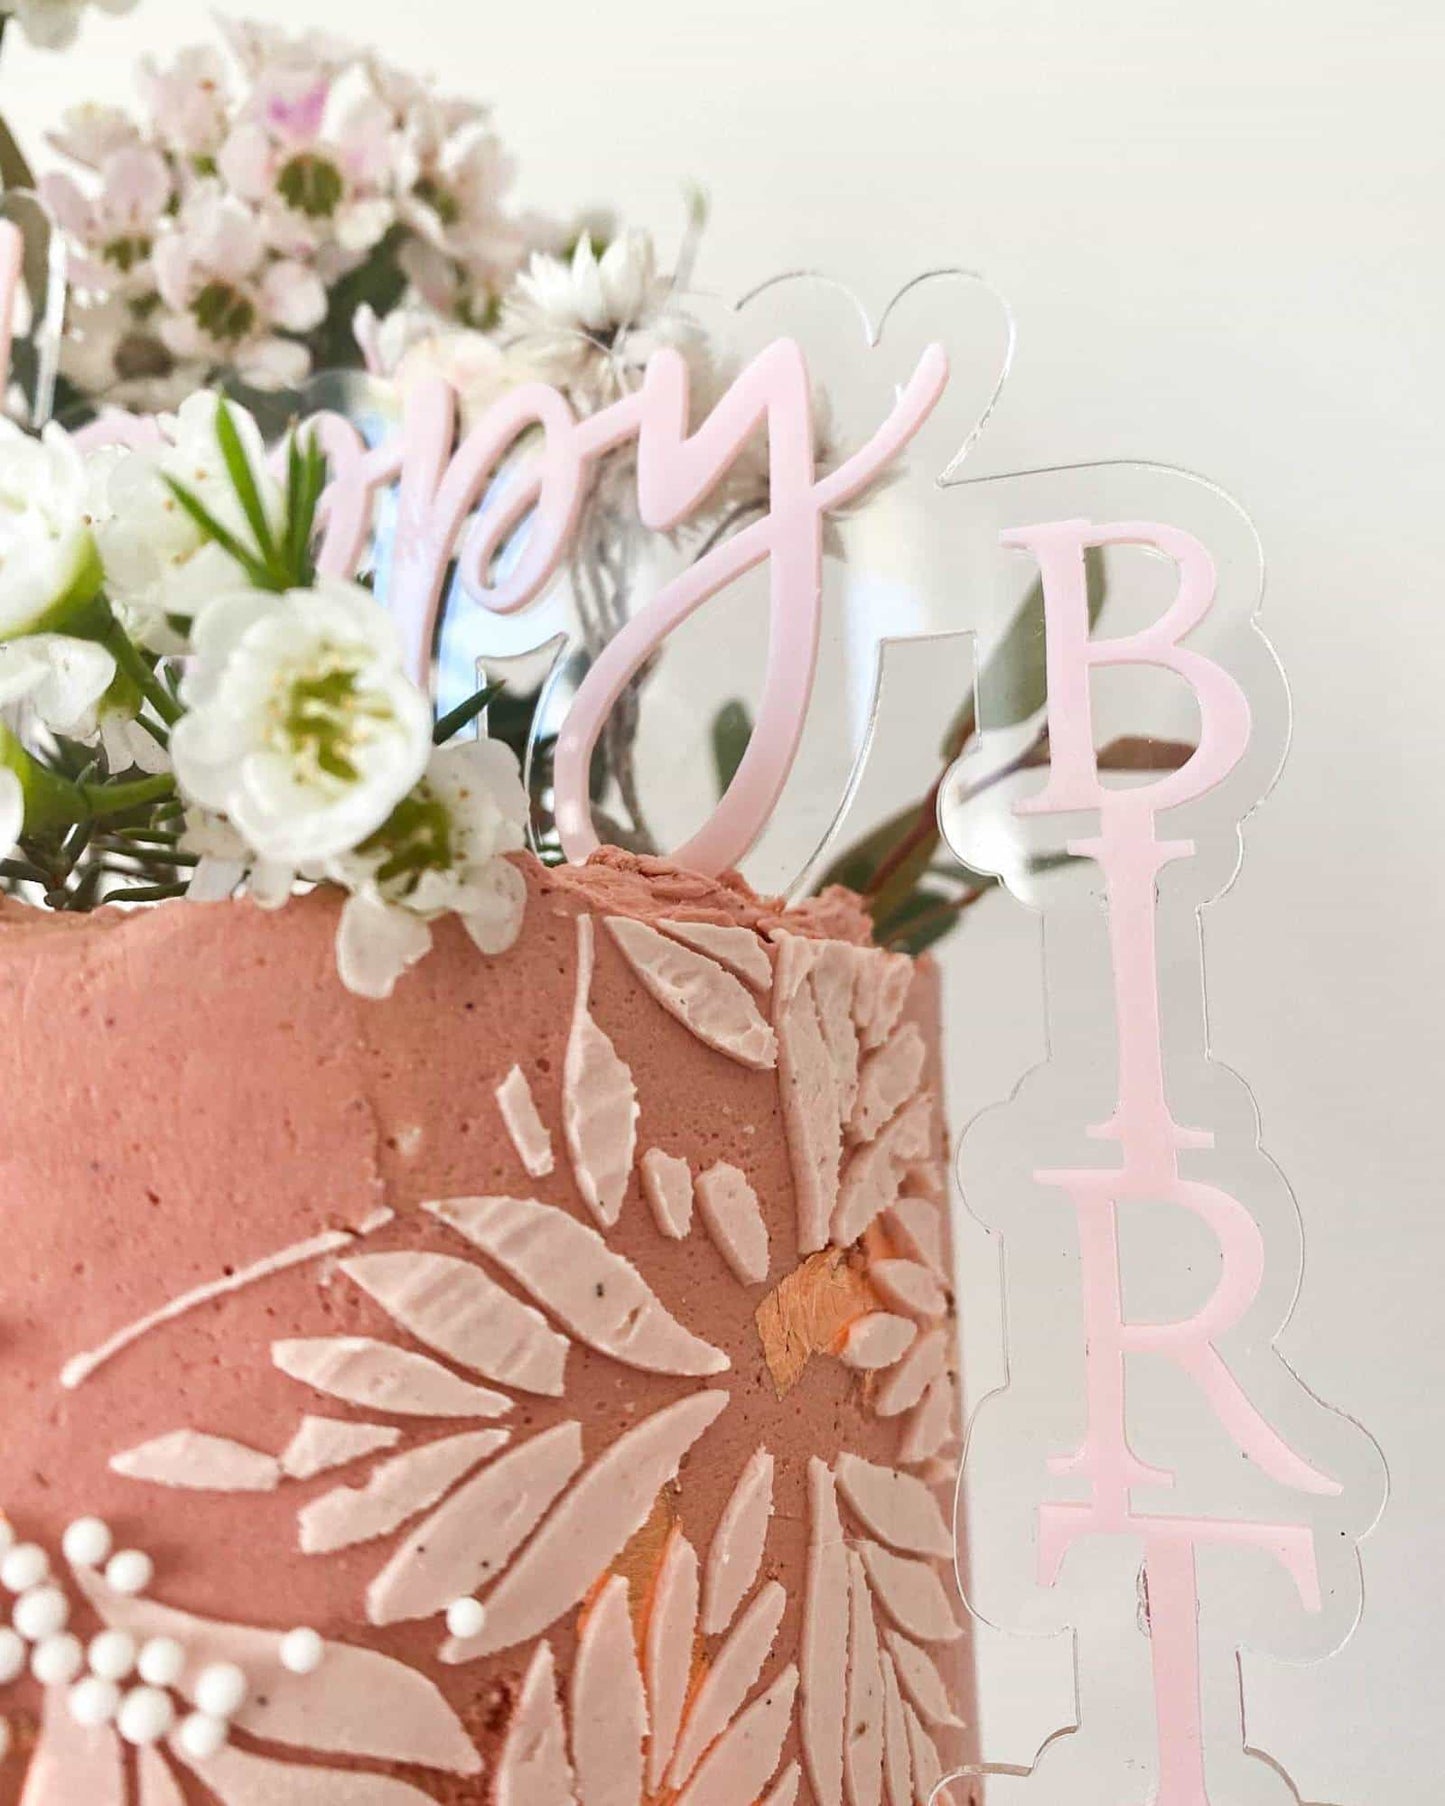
{"x":148,"y":893}
{"x":118,"y":644}
{"x":52,"y":803}
{"x":106,"y":800}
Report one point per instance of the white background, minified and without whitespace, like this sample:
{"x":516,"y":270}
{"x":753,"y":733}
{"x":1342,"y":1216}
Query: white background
{"x":1221,"y":227}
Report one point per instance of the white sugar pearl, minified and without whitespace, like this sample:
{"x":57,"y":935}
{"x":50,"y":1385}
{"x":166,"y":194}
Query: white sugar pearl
{"x":465,"y":1617}
{"x":94,"y":1701}
{"x":145,"y":1715}
{"x":301,"y":1651}
{"x":130,"y":1572}
{"x":112,"y":1655}
{"x":200,"y":1737}
{"x":87,"y":1543}
{"x":25,"y":1566}
{"x":161,"y":1662}
{"x":42,"y":1612}
{"x":13,"y":1655}
{"x":57,"y":1661}
{"x":220,"y":1690}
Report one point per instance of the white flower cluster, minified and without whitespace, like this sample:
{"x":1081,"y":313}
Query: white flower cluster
{"x":215,"y":230}
{"x":297,"y":743}
{"x":54,"y":24}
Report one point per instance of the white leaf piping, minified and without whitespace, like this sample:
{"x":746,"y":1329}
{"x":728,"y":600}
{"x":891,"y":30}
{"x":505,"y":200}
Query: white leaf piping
{"x":706,"y":999}
{"x":734,"y":1219}
{"x":357,"y":1703}
{"x":671,"y":1628}
{"x":739,"y":949}
{"x":395,"y":1491}
{"x":323,"y":1443}
{"x":378,"y":1377}
{"x":76,"y":1371}
{"x":732,"y":1674}
{"x":824,"y":1640}
{"x":190,"y":1459}
{"x":876,"y":1340}
{"x":743,"y":1760}
{"x":532,"y":1769}
{"x":897,"y":1508}
{"x":469,"y":1540}
{"x":453,"y":1306}
{"x":736,"y":1551}
{"x":911,"y":1594}
{"x":530,"y":1136}
{"x":569,"y":1269}
{"x":863,"y":1749}
{"x":609,"y":1712}
{"x":667,"y":1186}
{"x":599,"y":1099}
{"x":585,"y":1531}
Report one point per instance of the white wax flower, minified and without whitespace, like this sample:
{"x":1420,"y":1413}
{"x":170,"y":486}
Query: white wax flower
{"x":230,"y":300}
{"x":303,"y":729}
{"x":47,"y":552}
{"x":159,"y":565}
{"x":12,"y":811}
{"x":53,"y":24}
{"x":440,"y":853}
{"x":225,"y":863}
{"x":57,"y":680}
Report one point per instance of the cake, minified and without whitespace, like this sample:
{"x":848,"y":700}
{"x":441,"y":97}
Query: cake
{"x":533,"y":1388}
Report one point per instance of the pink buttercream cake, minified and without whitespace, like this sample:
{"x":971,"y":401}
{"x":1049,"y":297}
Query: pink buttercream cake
{"x":533,"y":1389}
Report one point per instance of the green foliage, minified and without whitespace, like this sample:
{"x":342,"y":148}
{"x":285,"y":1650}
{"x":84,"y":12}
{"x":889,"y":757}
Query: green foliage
{"x":452,"y":723}
{"x":889,"y":866}
{"x":732,"y":728}
{"x":274,"y":560}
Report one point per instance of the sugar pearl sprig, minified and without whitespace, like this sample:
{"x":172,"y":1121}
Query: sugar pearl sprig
{"x":114,"y":1680}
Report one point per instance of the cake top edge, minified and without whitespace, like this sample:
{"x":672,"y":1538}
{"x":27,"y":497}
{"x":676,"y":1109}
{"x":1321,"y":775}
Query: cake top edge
{"x":612,"y":882}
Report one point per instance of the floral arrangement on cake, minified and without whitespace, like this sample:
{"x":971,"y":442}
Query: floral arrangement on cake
{"x":187,"y":708}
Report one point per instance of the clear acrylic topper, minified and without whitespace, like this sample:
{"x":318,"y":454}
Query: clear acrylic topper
{"x":1152,"y":1483}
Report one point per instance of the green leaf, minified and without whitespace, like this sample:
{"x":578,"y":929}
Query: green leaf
{"x":380,"y":282}
{"x":1013,"y":684}
{"x":732,"y":728}
{"x":243,"y":481}
{"x":108,"y":800}
{"x":223,"y":537}
{"x":452,"y":723}
{"x":15,"y":171}
{"x":1142,"y":752}
{"x":925,"y":917}
{"x":305,"y":480}
{"x":52,"y":803}
{"x":856,"y":866}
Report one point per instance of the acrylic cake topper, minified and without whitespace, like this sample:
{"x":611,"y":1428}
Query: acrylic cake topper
{"x":1147,"y":1279}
